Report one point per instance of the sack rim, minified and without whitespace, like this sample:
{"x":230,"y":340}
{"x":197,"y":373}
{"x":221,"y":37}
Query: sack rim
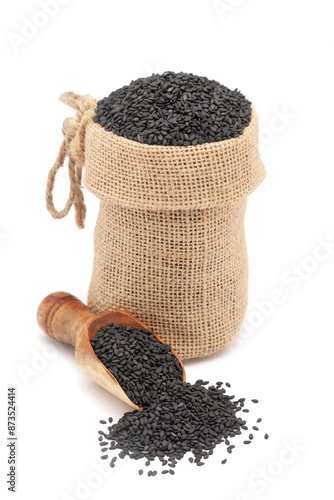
{"x":133,"y":174}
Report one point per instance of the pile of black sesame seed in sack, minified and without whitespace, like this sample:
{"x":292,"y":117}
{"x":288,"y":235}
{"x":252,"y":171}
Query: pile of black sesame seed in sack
{"x":174,"y":109}
{"x":178,"y":418}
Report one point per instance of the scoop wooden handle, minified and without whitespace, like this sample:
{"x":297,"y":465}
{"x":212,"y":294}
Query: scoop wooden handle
{"x":62,"y":316}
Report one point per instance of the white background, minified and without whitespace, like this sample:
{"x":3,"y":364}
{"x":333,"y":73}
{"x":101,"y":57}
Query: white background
{"x":279,"y":53}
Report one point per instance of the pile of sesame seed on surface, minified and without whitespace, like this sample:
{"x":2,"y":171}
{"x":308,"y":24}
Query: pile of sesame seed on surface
{"x":178,"y":418}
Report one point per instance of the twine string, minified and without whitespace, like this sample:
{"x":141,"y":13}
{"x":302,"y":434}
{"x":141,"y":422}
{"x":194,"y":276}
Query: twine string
{"x":73,"y":148}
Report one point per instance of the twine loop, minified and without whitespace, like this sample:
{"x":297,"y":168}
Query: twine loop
{"x":73,"y":147}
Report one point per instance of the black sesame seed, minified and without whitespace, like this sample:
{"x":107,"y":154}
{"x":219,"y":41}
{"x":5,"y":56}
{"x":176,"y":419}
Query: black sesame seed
{"x":135,"y":377}
{"x":177,"y":417}
{"x":149,"y":112}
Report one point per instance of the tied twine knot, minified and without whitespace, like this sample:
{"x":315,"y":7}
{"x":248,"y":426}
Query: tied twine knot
{"x":73,"y":146}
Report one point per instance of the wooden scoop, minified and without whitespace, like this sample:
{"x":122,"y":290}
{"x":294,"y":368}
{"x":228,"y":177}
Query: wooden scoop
{"x":65,"y":318}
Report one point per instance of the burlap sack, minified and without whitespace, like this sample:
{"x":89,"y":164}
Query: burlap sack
{"x":169,"y":240}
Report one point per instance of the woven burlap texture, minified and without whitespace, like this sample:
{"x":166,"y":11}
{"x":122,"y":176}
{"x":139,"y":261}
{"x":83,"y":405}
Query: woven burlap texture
{"x":183,"y":273}
{"x":169,"y":240}
{"x":137,"y":175}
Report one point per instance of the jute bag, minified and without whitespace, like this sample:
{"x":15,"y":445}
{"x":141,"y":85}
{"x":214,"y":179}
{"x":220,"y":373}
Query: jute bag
{"x":169,"y":240}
